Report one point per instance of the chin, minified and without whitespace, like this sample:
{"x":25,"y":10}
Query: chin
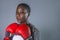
{"x":18,"y":22}
{"x":21,"y":21}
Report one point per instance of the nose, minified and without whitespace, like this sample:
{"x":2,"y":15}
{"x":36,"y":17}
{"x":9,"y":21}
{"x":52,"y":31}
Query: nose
{"x":20,"y":15}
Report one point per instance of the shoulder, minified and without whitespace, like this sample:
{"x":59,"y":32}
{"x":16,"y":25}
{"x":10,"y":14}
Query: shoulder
{"x":33,"y":28}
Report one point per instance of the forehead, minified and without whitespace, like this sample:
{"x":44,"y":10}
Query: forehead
{"x":21,"y":8}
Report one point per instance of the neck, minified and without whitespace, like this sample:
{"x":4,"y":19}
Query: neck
{"x":23,"y":22}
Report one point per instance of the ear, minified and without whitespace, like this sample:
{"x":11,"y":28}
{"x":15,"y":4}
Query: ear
{"x":28,"y":13}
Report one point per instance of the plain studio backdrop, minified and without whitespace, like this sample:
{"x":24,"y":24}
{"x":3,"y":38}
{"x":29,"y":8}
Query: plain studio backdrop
{"x":45,"y":15}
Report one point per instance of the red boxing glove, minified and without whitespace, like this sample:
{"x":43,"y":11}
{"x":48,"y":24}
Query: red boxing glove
{"x":24,"y":31}
{"x":12,"y":28}
{"x":6,"y":38}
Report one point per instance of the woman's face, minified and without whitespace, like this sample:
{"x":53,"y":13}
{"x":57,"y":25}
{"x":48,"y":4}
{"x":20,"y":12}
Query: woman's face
{"x":21,"y":14}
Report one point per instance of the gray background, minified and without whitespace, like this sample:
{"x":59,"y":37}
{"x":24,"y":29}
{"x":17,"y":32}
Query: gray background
{"x":45,"y":15}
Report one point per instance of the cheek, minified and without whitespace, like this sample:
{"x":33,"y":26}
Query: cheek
{"x":16,"y":16}
{"x":19,"y":16}
{"x":22,"y":16}
{"x":26,"y":15}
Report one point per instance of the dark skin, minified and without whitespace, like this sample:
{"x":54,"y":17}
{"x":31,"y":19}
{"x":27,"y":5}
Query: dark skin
{"x":22,"y":14}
